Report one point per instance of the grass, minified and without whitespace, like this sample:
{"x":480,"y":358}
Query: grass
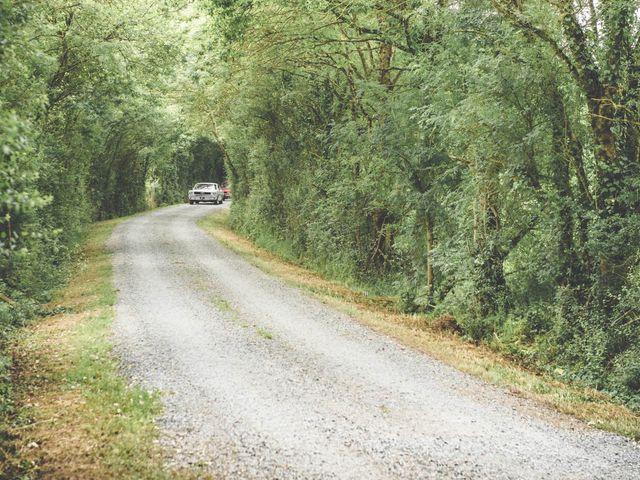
{"x":222,"y":305}
{"x":264,"y":333}
{"x":78,"y":418}
{"x":226,"y":308}
{"x":425,"y":335}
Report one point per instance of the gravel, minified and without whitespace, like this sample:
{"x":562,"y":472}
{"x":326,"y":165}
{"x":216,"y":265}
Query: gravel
{"x":260,"y":381}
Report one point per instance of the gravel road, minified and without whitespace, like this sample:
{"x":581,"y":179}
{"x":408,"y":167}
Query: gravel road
{"x":261,"y":381}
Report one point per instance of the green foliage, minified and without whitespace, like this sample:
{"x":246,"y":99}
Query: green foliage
{"x":84,"y":79}
{"x":19,"y":197}
{"x":480,"y":161}
{"x":87,"y":80}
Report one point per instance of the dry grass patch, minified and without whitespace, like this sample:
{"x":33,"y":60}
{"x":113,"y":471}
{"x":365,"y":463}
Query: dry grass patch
{"x":437,"y":338}
{"x":80,"y":419}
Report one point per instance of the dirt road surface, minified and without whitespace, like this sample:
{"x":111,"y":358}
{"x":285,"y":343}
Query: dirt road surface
{"x":261,"y":381}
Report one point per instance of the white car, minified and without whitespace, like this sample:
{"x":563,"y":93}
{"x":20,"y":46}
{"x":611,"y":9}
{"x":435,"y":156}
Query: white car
{"x":206,"y":192}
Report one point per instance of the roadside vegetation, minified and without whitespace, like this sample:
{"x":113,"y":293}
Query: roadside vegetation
{"x":74,"y":415}
{"x":473,"y":159}
{"x":438,"y":336}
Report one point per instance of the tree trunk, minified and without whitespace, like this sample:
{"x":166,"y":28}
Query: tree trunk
{"x":572,"y":245}
{"x":489,"y":279}
{"x":385,"y":54}
{"x":428,"y":224}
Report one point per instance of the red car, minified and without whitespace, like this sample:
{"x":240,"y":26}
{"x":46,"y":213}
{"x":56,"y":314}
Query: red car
{"x":226,"y":192}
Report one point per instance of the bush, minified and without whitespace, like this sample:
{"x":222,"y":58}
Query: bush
{"x":479,"y":328}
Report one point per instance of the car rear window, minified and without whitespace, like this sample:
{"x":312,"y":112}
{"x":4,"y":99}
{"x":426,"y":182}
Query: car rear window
{"x":203,"y":185}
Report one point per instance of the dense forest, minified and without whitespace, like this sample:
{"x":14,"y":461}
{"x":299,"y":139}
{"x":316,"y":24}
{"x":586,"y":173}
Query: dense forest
{"x":478,"y":159}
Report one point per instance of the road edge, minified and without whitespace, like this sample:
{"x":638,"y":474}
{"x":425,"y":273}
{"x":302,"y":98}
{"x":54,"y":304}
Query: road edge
{"x":587,"y":405}
{"x":77,"y":416}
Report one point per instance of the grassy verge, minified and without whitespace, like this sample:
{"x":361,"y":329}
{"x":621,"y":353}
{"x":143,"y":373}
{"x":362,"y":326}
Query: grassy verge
{"x":77,"y":416}
{"x":427,"y":335}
